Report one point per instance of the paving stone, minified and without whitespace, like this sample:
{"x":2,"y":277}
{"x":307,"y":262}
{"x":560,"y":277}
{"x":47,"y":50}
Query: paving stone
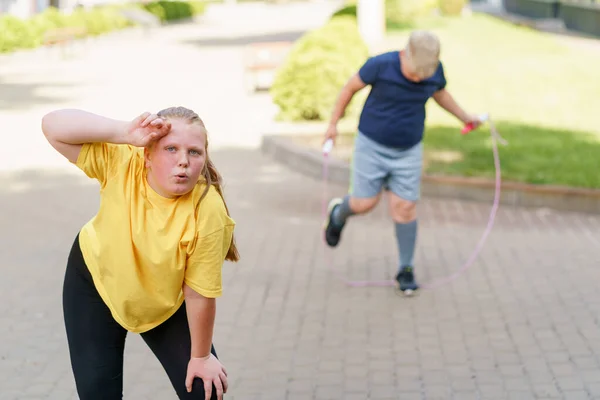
{"x":520,"y":324}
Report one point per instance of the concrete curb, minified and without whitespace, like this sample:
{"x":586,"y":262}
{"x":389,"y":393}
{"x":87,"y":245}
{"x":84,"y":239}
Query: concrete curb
{"x":310,"y":162}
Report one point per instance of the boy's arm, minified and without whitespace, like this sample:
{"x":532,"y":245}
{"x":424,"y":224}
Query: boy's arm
{"x":353,"y":85}
{"x":447,"y":102}
{"x":366,"y":75}
{"x":67,"y":130}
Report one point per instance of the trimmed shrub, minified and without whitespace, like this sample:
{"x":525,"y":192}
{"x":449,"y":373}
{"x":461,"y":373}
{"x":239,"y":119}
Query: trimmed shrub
{"x":23,"y":34}
{"x":307,"y":85}
{"x":16,"y":33}
{"x":98,"y":20}
{"x":173,"y":10}
{"x":398,"y":12}
{"x":157,"y":10}
{"x":47,"y":20}
{"x":198,"y":7}
{"x":402,"y":12}
{"x":452,"y":7}
{"x":349,"y":10}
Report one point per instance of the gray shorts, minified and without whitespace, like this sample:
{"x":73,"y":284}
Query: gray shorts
{"x":376,"y":167}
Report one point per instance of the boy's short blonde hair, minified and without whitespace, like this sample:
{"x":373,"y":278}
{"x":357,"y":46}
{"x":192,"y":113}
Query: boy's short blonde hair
{"x":423,"y":51}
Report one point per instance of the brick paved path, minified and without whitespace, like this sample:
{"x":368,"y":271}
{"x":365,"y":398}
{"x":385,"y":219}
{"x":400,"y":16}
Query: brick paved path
{"x":521,"y":324}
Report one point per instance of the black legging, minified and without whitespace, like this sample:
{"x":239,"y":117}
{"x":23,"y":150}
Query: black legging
{"x":97,"y":342}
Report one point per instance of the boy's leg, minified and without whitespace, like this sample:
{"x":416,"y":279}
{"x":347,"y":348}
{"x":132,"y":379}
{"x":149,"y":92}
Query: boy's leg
{"x":171,"y":344}
{"x":405,"y":224}
{"x":404,"y":186}
{"x":96,"y":341}
{"x":367,"y":179}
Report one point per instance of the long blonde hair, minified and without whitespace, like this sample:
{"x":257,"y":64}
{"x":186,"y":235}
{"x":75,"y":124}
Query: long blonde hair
{"x":210,"y":173}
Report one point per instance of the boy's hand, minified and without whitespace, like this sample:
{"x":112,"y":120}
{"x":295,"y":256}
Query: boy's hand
{"x":331,"y":133}
{"x":145,"y":129}
{"x":472,"y":120}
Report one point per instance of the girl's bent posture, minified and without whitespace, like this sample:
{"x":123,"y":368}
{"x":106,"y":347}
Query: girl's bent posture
{"x":150,"y":260}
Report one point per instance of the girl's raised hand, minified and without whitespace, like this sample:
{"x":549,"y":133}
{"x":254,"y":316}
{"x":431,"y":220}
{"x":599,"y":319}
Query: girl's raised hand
{"x":146,"y":129}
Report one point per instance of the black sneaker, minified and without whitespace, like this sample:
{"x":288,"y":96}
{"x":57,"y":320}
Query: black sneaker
{"x":333,"y":231}
{"x":406,"y":281}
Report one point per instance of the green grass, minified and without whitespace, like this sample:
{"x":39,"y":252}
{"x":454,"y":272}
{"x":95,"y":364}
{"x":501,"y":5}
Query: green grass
{"x":545,"y":156}
{"x":542,"y":93}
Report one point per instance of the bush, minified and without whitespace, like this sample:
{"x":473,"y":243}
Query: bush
{"x":307,"y":85}
{"x":452,"y":7}
{"x":401,"y":12}
{"x":18,"y":34}
{"x":398,"y":12}
{"x":41,"y":23}
{"x":349,"y":10}
{"x":50,"y":18}
{"x":198,"y":7}
{"x":15,"y":33}
{"x":173,"y":10}
{"x":97,"y":21}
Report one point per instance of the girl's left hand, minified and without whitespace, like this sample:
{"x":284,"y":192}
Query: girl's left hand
{"x":211,"y":371}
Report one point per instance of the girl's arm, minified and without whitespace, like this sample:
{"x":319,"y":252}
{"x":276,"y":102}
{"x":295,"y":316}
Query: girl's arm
{"x":201,"y":319}
{"x":67,"y":130}
{"x":203,"y":364}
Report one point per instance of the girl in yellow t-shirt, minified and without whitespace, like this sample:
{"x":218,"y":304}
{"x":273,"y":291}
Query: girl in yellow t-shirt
{"x":150,"y":260}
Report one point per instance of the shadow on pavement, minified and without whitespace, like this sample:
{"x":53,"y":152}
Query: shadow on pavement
{"x":20,"y":96}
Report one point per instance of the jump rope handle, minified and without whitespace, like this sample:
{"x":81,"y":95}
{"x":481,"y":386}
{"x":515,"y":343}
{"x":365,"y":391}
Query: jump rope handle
{"x":328,"y":146}
{"x":469,"y":127}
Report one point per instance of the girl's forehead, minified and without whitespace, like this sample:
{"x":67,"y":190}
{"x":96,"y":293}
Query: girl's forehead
{"x":183,"y":133}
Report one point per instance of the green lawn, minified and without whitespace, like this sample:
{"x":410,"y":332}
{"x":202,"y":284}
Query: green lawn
{"x":541,"y":92}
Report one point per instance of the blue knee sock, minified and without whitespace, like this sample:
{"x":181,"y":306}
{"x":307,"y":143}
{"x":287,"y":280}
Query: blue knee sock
{"x":406,"y":236}
{"x":342,"y":212}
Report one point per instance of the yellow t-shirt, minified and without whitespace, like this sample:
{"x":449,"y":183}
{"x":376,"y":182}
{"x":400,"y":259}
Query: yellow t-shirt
{"x":141,"y":247}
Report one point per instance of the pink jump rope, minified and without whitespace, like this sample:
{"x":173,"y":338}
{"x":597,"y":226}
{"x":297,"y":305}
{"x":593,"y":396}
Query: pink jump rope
{"x":328,"y":146}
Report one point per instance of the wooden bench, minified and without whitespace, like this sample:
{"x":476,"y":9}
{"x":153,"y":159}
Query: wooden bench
{"x":62,"y":35}
{"x":262,"y":61}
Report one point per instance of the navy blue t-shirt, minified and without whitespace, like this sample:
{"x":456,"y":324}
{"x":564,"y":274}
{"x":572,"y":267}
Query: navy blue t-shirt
{"x":394,"y":112}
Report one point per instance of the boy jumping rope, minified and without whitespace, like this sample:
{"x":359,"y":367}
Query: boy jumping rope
{"x":388,"y":150}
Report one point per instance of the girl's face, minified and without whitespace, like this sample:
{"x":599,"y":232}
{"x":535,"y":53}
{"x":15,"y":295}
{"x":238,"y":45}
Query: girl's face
{"x":176,"y":161}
